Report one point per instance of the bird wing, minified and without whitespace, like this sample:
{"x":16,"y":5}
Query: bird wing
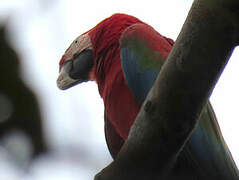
{"x":143,"y":52}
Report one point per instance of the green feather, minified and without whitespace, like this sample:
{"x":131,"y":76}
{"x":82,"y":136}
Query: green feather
{"x":147,"y":57}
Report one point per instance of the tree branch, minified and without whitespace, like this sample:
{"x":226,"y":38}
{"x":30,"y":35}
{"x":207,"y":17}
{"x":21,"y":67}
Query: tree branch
{"x":170,"y":112}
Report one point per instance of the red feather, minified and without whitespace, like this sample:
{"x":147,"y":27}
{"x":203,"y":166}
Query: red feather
{"x":121,"y":107}
{"x":105,"y":41}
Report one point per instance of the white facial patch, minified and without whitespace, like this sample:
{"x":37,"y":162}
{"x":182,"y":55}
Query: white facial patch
{"x":64,"y":81}
{"x":79,"y":44}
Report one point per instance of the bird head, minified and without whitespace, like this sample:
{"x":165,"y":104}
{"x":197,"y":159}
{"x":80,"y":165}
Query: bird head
{"x":85,"y":59}
{"x":77,"y":63}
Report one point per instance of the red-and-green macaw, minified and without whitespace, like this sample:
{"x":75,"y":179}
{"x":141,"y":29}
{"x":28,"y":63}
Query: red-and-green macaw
{"x":124,"y":55}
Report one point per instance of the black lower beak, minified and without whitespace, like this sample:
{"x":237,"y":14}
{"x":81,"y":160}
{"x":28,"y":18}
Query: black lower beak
{"x":81,"y":65}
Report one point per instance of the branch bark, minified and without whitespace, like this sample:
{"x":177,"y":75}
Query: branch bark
{"x":170,"y":112}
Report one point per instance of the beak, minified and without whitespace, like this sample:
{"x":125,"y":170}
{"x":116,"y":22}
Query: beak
{"x":76,"y":70}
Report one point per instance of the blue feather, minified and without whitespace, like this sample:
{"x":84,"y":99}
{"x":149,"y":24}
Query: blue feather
{"x":139,"y":82}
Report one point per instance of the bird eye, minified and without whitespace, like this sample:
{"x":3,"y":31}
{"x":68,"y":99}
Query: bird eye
{"x":76,"y":41}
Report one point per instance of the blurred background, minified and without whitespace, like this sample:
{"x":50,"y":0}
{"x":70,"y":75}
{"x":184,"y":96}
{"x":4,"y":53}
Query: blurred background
{"x":34,"y":34}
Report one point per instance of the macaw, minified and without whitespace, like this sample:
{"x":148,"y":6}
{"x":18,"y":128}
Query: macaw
{"x":124,"y":55}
